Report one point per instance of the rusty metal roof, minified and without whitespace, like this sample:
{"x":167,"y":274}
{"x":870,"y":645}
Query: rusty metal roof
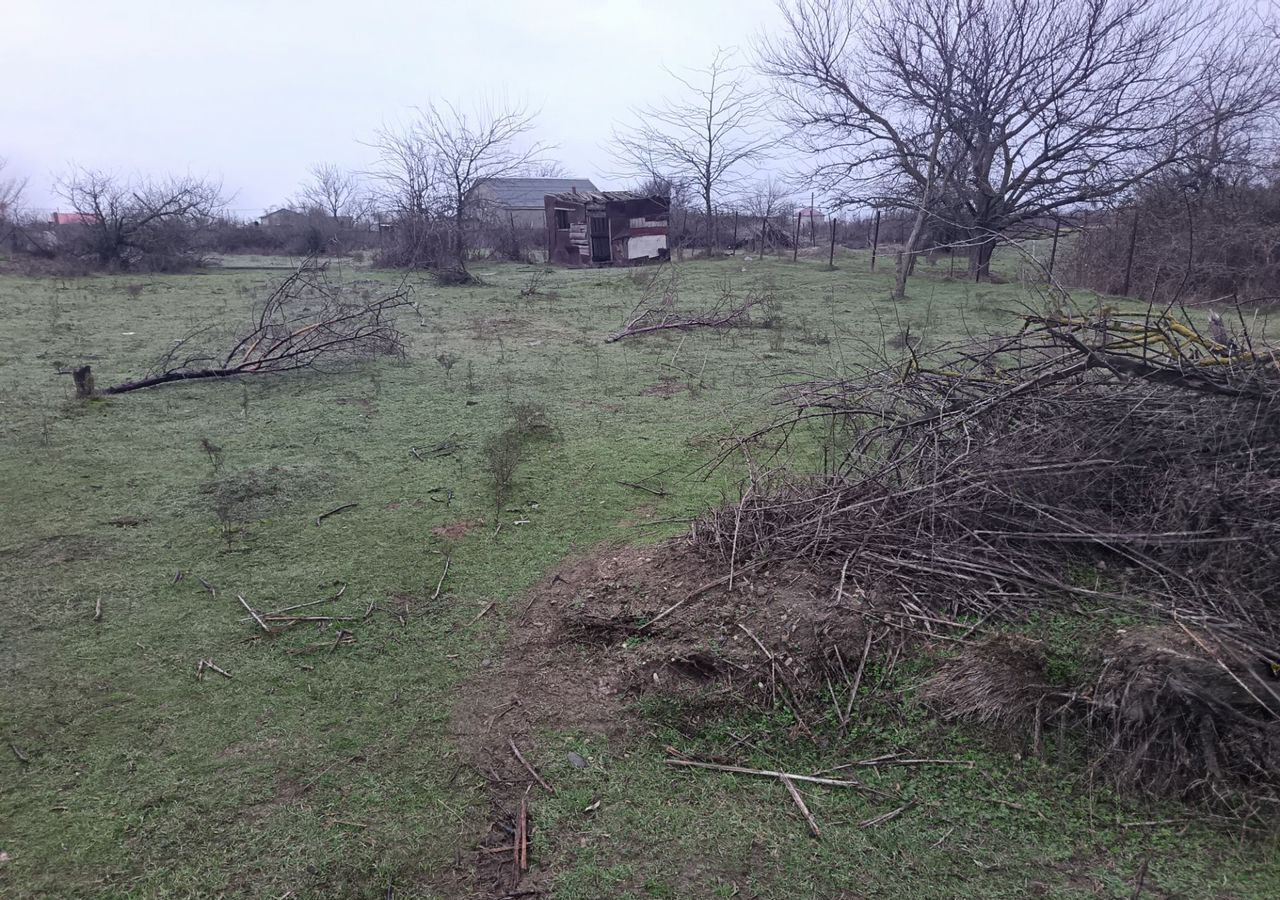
{"x":601,"y":196}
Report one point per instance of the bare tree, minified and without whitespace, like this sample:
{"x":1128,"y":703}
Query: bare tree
{"x":763,"y":201}
{"x":546,"y":168}
{"x":1049,"y":105}
{"x":470,"y":148}
{"x":149,"y":223}
{"x":334,"y":191}
{"x":430,"y":167}
{"x":405,"y":170}
{"x":708,"y":137}
{"x":11,"y":190}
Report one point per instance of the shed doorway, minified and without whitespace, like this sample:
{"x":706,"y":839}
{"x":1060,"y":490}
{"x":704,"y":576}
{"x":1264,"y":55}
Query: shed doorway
{"x":600,"y":238}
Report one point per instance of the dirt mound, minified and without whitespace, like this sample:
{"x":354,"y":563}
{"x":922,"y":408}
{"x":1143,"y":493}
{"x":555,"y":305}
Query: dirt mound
{"x":624,"y":622}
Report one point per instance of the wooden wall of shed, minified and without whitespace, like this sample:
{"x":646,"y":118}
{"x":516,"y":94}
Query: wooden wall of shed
{"x":572,"y":247}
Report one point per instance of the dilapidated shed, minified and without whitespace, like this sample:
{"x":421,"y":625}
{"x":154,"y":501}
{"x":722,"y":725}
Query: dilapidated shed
{"x":601,"y":228}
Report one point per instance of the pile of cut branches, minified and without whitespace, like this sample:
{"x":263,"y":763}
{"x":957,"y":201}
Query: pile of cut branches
{"x":1127,"y":462}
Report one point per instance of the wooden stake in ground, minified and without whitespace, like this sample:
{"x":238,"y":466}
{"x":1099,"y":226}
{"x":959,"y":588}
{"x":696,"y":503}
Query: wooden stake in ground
{"x":875,"y":240}
{"x":524,"y":834}
{"x":440,"y":584}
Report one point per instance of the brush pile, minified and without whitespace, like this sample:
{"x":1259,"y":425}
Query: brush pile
{"x":1102,"y":461}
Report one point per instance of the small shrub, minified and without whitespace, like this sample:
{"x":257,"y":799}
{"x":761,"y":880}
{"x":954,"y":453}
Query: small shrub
{"x":214,"y":452}
{"x":532,"y":420}
{"x":447,"y":361}
{"x":503,"y":452}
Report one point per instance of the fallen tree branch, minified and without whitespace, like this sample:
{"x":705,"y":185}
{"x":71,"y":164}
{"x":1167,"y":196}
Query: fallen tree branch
{"x":333,"y":512}
{"x":767,"y":773}
{"x":306,"y":322}
{"x":799,"y":801}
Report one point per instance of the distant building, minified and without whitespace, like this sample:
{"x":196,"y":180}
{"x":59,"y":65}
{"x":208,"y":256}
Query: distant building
{"x":292,"y":218}
{"x":283,"y":218}
{"x":519,"y":201}
{"x":601,"y":228}
{"x":72,"y":218}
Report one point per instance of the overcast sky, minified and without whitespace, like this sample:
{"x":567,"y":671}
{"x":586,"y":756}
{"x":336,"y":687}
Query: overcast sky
{"x":255,"y":91}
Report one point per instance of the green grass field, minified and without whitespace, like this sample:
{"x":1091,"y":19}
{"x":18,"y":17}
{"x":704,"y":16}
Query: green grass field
{"x":331,"y":773}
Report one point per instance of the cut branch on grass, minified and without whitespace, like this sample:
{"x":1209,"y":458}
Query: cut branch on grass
{"x":333,"y":512}
{"x":766,"y":773}
{"x":800,"y":804}
{"x":530,"y":769}
{"x":307,"y":322}
{"x":659,"y":310}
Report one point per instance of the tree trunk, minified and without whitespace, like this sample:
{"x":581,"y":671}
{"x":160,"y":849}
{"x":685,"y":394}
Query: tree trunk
{"x":907,"y":256}
{"x":711,"y":239}
{"x":459,"y":245}
{"x":84,"y":382}
{"x":980,"y":259}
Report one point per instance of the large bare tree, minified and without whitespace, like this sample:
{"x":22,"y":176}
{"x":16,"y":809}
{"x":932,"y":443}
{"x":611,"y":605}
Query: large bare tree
{"x":139,"y":223}
{"x":1045,"y":105}
{"x":709,"y":136}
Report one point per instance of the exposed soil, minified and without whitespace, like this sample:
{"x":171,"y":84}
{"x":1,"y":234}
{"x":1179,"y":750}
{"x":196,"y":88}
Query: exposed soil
{"x":367,"y":405}
{"x":455,"y":531}
{"x":59,"y":549}
{"x":580,"y":648}
{"x":667,"y":387}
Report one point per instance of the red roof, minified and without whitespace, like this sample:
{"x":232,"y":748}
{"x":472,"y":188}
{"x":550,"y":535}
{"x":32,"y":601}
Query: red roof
{"x":72,"y":218}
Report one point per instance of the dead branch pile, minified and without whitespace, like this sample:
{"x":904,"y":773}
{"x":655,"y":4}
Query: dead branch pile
{"x":308,"y":321}
{"x":659,"y":308}
{"x":1120,"y":461}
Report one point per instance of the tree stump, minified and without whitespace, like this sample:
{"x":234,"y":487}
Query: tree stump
{"x":84,"y":382}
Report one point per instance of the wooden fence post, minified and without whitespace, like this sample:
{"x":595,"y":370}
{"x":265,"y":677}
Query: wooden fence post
{"x":875,"y":241}
{"x":1053,"y":251}
{"x":1133,"y":243}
